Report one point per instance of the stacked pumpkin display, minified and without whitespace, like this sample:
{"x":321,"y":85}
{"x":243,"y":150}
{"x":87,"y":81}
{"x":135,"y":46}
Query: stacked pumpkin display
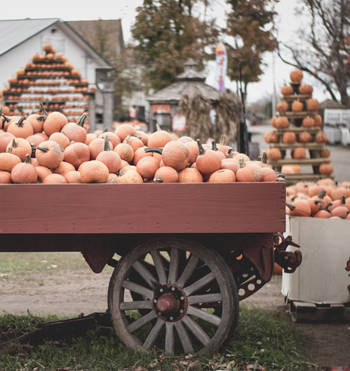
{"x":35,"y":82}
{"x":47,"y":148}
{"x":323,"y":199}
{"x":297,"y":127}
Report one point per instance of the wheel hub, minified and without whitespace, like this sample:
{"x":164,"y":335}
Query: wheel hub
{"x":170,"y":302}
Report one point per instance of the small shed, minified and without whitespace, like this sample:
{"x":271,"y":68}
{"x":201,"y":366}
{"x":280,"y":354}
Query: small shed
{"x":164,"y":103}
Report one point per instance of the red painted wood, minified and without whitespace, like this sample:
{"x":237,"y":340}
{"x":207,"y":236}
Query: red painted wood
{"x":142,"y":208}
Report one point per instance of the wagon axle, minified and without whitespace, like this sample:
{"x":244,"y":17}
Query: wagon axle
{"x":170,"y":302}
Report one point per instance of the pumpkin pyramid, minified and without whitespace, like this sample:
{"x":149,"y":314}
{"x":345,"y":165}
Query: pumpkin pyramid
{"x":297,"y":138}
{"x":52,"y":80}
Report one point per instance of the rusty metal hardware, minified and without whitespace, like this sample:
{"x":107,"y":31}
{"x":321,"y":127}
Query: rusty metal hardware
{"x":288,"y":260}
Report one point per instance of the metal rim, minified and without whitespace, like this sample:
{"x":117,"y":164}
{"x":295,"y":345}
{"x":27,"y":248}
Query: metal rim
{"x":177,"y":280}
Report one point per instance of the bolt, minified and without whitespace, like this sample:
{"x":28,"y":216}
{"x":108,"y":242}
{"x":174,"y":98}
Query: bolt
{"x":154,"y":301}
{"x":182,"y":298}
{"x":171,"y":318}
{"x":161,"y":290}
{"x":173,"y":288}
{"x":159,"y":313}
{"x":181,"y":310}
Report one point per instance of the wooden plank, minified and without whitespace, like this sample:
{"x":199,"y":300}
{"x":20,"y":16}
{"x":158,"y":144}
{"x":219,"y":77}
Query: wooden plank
{"x":296,"y":177}
{"x":295,"y":129}
{"x":311,"y":146}
{"x":306,"y":161}
{"x":142,"y":208}
{"x":288,"y":98}
{"x":296,"y":115}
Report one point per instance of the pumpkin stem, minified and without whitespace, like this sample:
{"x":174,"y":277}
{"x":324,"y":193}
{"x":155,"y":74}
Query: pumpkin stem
{"x":106,"y":147}
{"x":322,"y":194}
{"x":318,"y":202}
{"x":45,"y":114}
{"x":127,"y":139}
{"x":223,"y":140}
{"x":241,"y":163}
{"x":136,"y":136}
{"x":158,"y":179}
{"x":33,"y":148}
{"x":121,"y":173}
{"x":294,"y":197}
{"x":342,"y":217}
{"x":104,"y":131}
{"x":72,"y":142}
{"x":82,"y":119}
{"x":9,"y":150}
{"x":342,"y":200}
{"x":213,"y":146}
{"x":28,"y":159}
{"x":158,"y":127}
{"x":328,"y":207}
{"x":41,"y":118}
{"x":19,"y":123}
{"x":264,"y":158}
{"x":291,"y":207}
{"x":44,"y":149}
{"x":200,"y":147}
{"x":228,"y":153}
{"x":14,"y":143}
{"x":154,"y":149}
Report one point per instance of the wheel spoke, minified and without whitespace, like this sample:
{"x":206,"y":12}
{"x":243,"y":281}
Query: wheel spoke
{"x":142,"y":321}
{"x":208,"y":298}
{"x":196,"y":330}
{"x":145,"y":274}
{"x":134,"y":287}
{"x":159,"y":265}
{"x":204,"y":315}
{"x":152,"y":336}
{"x":184,"y":338}
{"x":174,"y":265}
{"x":169,"y":338}
{"x":199,"y":284}
{"x":130,"y":305}
{"x":186,"y":274}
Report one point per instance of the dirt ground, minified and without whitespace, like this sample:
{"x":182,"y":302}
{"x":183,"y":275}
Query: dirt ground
{"x":69,"y":293}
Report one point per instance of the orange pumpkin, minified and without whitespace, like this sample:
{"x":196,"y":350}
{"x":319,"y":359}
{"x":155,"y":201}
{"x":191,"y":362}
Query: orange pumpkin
{"x":5,"y":139}
{"x":326,"y":169}
{"x":193,"y":151}
{"x":49,"y":154}
{"x":166,"y":174}
{"x":271,"y":137}
{"x":300,"y":208}
{"x":321,"y":137}
{"x":113,"y":138}
{"x":75,"y":131}
{"x":299,"y":153}
{"x":20,"y":128}
{"x":97,"y":146}
{"x":297,"y":106}
{"x":131,"y":176}
{"x":134,"y":143}
{"x":110,"y":158}
{"x":312,"y":105}
{"x":268,"y":175}
{"x":222,"y":176}
{"x":42,"y":172}
{"x":5,"y":177}
{"x":289,"y":137}
{"x":207,"y":161}
{"x":124,"y":150}
{"x":274,"y":154}
{"x":176,"y":155}
{"x":282,"y":107}
{"x":125,"y":130}
{"x":308,"y":122}
{"x":248,"y":173}
{"x":64,"y":168}
{"x":61,"y":139}
{"x":304,"y":137}
{"x":296,"y":76}
{"x":36,"y":122}
{"x":286,"y":90}
{"x":305,"y":89}
{"x":282,"y":122}
{"x":76,"y":154}
{"x":54,"y":122}
{"x":323,"y":214}
{"x":159,"y":138}
{"x":185,"y":139}
{"x":318,"y":120}
{"x":8,"y":161}
{"x":190,"y":175}
{"x":54,"y":179}
{"x":24,"y":172}
{"x":341,"y":211}
{"x":93,"y":172}
{"x":20,"y":147}
{"x":325,"y":153}
{"x":73,"y":177}
{"x":89,"y":138}
{"x":144,"y":137}
{"x":230,"y":164}
{"x":147,"y":167}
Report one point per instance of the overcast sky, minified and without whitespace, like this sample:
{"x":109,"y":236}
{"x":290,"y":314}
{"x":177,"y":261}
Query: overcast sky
{"x":126,"y":10}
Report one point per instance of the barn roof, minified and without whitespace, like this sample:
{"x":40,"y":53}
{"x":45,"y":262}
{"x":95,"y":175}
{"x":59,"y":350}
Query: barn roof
{"x":190,"y":82}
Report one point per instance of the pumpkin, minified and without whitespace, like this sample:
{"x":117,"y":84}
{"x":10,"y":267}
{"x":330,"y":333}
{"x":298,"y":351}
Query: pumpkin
{"x":314,"y":190}
{"x":274,"y":154}
{"x":305,"y":89}
{"x":273,"y":122}
{"x":248,"y":173}
{"x":315,"y":205}
{"x":64,"y":168}
{"x":281,"y":122}
{"x":54,"y":179}
{"x":230,"y":164}
{"x":8,"y":161}
{"x":112,"y":178}
{"x":341,"y":211}
{"x":287,"y":169}
{"x":42,"y":172}
{"x":304,"y":137}
{"x":222,"y":176}
{"x":321,"y":137}
{"x":308,"y":122}
{"x":289,"y":137}
{"x":296,"y":76}
{"x":5,"y":139}
{"x":242,"y":156}
{"x":297,"y":106}
{"x":97,"y":146}
{"x":176,"y":155}
{"x":190,"y":175}
{"x":113,"y":138}
{"x":325,"y":153}
{"x":35,"y":140}
{"x":5,"y":177}
{"x":318,"y":120}
{"x":326,"y":169}
{"x":268,"y":175}
{"x":110,"y":158}
{"x":47,"y":48}
{"x":89,"y":138}
{"x":340,"y":202}
{"x":73,"y":177}
{"x":337,"y":192}
{"x":61,"y":139}
{"x":185,"y":139}
{"x":93,"y":172}
{"x":124,"y":131}
{"x":223,"y":147}
{"x":147,"y":167}
{"x":271,"y":137}
{"x":207,"y":161}
{"x":131,"y":176}
{"x":24,"y":172}
{"x":323,"y":214}
{"x":20,"y":128}
{"x":140,"y":153}
{"x":166,"y":174}
{"x":299,"y":153}
{"x":159,"y":138}
{"x":143,"y":136}
{"x":128,"y":168}
{"x":54,"y":122}
{"x":282,"y":107}
{"x":299,"y":208}
{"x":37,"y":123}
{"x":20,"y":147}
{"x":312,"y":105}
{"x":134,"y":143}
{"x":76,"y":154}
{"x":49,"y":154}
{"x":286,"y":90}
{"x":75,"y":131}
{"x":124,"y":150}
{"x":193,"y":151}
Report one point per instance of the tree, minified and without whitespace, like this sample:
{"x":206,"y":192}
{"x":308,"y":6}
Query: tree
{"x":250,"y":22}
{"x":324,"y":52}
{"x":167,"y":33}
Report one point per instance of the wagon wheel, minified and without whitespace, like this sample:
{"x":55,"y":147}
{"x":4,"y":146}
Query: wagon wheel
{"x":167,"y":305}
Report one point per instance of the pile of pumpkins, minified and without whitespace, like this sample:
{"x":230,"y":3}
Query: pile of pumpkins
{"x":324,"y":199}
{"x":48,"y":149}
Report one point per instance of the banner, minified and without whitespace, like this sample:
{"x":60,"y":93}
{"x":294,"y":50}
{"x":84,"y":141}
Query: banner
{"x":221,"y":66}
{"x":179,"y":123}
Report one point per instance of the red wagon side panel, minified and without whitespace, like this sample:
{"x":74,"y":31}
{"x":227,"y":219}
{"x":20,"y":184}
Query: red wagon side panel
{"x":142,"y":208}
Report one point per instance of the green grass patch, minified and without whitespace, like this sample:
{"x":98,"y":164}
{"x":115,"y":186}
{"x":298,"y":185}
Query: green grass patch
{"x":34,"y":262}
{"x":263,"y":339}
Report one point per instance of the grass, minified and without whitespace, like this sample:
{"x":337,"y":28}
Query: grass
{"x":263,"y":340}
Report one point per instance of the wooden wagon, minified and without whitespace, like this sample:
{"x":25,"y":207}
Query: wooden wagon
{"x":184,"y":254}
